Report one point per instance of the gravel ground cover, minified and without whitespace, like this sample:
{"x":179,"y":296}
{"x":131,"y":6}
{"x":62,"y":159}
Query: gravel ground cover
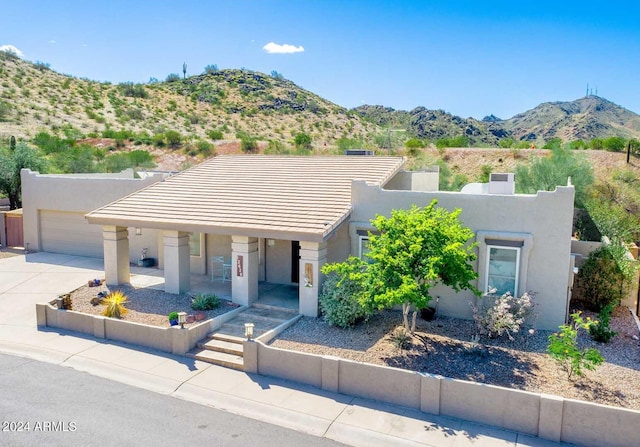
{"x":444,"y":346}
{"x":145,"y":305}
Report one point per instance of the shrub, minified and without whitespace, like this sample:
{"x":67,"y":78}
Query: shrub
{"x":339,"y":300}
{"x":172,"y":316}
{"x":600,"y":330}
{"x":401,"y":339}
{"x":302,"y":140}
{"x":114,"y":303}
{"x":172,"y":77}
{"x":133,"y":90}
{"x":601,"y":280}
{"x":205,"y":148}
{"x":208,"y":301}
{"x":506,"y":314}
{"x":248,"y":144}
{"x":563,"y":348}
{"x":173,"y":138}
{"x":215,"y":135}
{"x":210,"y":69}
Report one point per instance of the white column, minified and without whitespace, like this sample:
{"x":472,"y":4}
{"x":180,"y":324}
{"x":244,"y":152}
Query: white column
{"x":244,"y":270}
{"x":176,"y":262}
{"x":313,"y":255}
{"x":116,"y":255}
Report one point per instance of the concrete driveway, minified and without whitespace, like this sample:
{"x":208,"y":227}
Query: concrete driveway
{"x":39,"y":277}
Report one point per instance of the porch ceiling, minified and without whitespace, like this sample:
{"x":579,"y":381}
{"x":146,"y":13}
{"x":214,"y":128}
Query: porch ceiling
{"x":299,"y":198}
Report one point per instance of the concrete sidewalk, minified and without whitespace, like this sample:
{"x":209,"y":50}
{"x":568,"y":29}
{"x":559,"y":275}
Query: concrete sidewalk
{"x":41,"y":277}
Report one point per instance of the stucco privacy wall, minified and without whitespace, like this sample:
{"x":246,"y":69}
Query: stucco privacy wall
{"x":80,"y":193}
{"x":544,"y":218}
{"x":546,"y":416}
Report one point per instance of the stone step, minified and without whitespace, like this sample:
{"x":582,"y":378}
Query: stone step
{"x":217,"y":358}
{"x":226,"y":337}
{"x":222,"y":346}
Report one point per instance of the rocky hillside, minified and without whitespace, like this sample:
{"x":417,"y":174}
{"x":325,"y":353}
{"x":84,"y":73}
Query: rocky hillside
{"x":34,"y":98}
{"x":583,"y":119}
{"x":229,"y":103}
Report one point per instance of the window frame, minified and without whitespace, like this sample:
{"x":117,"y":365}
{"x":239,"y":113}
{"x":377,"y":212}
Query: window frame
{"x":487,"y":274}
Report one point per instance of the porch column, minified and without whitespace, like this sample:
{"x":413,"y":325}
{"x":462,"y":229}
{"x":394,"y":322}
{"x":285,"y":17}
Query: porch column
{"x":313,"y":255}
{"x":176,"y":262}
{"x":116,"y":255}
{"x":244,"y":270}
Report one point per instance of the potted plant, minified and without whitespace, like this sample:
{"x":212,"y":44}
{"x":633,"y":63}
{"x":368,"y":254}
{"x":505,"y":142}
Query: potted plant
{"x":173,"y":318}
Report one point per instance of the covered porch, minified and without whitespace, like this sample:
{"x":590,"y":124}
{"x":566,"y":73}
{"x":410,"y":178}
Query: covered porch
{"x":278,"y":295}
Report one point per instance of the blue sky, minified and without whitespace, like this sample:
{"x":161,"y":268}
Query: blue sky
{"x":470,"y":58}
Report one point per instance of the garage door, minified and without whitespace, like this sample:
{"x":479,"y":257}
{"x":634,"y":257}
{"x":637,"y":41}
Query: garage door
{"x":70,"y":233}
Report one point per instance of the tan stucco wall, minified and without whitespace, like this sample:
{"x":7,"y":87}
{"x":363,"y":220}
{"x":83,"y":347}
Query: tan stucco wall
{"x":424,"y":180}
{"x":217,"y":245}
{"x":546,"y":217}
{"x":339,"y":244}
{"x":278,"y":262}
{"x":81,"y":193}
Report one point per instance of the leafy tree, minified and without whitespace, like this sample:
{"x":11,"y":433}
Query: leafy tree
{"x":414,"y":143}
{"x":302,"y":140}
{"x":276,"y":75}
{"x":141,"y":158}
{"x":506,"y":143}
{"x":554,"y":143}
{"x":544,"y":174}
{"x":11,"y":162}
{"x":578,"y":144}
{"x":416,"y":250}
{"x":614,"y":144}
{"x":133,"y":90}
{"x":75,"y":160}
{"x":596,"y":143}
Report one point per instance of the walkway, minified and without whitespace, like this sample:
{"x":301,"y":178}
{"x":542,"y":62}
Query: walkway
{"x":353,"y":421}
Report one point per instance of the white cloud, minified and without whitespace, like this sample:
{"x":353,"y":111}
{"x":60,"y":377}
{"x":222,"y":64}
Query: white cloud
{"x":12,"y":49}
{"x":274,"y":48}
{"x":52,"y":41}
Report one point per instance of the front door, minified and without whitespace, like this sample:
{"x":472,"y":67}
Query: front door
{"x":295,"y":262}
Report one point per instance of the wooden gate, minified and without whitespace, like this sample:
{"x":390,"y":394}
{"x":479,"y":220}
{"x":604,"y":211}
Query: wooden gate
{"x":15,"y":237}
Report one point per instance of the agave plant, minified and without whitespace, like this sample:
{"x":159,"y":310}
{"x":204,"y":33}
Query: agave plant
{"x":114,"y":305}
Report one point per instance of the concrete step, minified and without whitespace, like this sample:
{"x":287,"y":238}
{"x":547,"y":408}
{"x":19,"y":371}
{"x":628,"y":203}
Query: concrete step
{"x":260,"y":322}
{"x":222,"y":346}
{"x":270,"y":313}
{"x":225,"y":337}
{"x":217,"y":358}
{"x":278,"y":308}
{"x":236,"y":330}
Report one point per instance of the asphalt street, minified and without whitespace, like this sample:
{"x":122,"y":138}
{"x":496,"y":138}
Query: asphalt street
{"x":48,"y":405}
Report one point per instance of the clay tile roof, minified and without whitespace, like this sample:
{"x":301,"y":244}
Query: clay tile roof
{"x":288,"y":197}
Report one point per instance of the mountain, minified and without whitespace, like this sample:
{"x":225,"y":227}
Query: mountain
{"x":34,"y":98}
{"x":583,"y":119}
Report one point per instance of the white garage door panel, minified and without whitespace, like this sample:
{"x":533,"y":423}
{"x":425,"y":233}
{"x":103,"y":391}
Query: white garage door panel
{"x":70,"y":233}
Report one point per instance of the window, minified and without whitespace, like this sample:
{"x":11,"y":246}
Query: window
{"x":363,"y":248}
{"x":194,"y":244}
{"x":503,"y":269}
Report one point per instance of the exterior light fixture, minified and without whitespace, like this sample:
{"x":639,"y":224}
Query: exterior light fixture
{"x":182,"y":319}
{"x":248,"y":330}
{"x":138,"y":231}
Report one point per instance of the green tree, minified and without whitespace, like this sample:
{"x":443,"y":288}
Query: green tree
{"x":554,"y":143}
{"x":416,"y":250}
{"x":302,"y":141}
{"x":614,"y":144}
{"x":544,"y":174}
{"x":11,"y":162}
{"x":75,"y":160}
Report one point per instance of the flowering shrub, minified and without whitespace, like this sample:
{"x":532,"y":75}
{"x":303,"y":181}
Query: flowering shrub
{"x":499,"y":315}
{"x":563,"y":347}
